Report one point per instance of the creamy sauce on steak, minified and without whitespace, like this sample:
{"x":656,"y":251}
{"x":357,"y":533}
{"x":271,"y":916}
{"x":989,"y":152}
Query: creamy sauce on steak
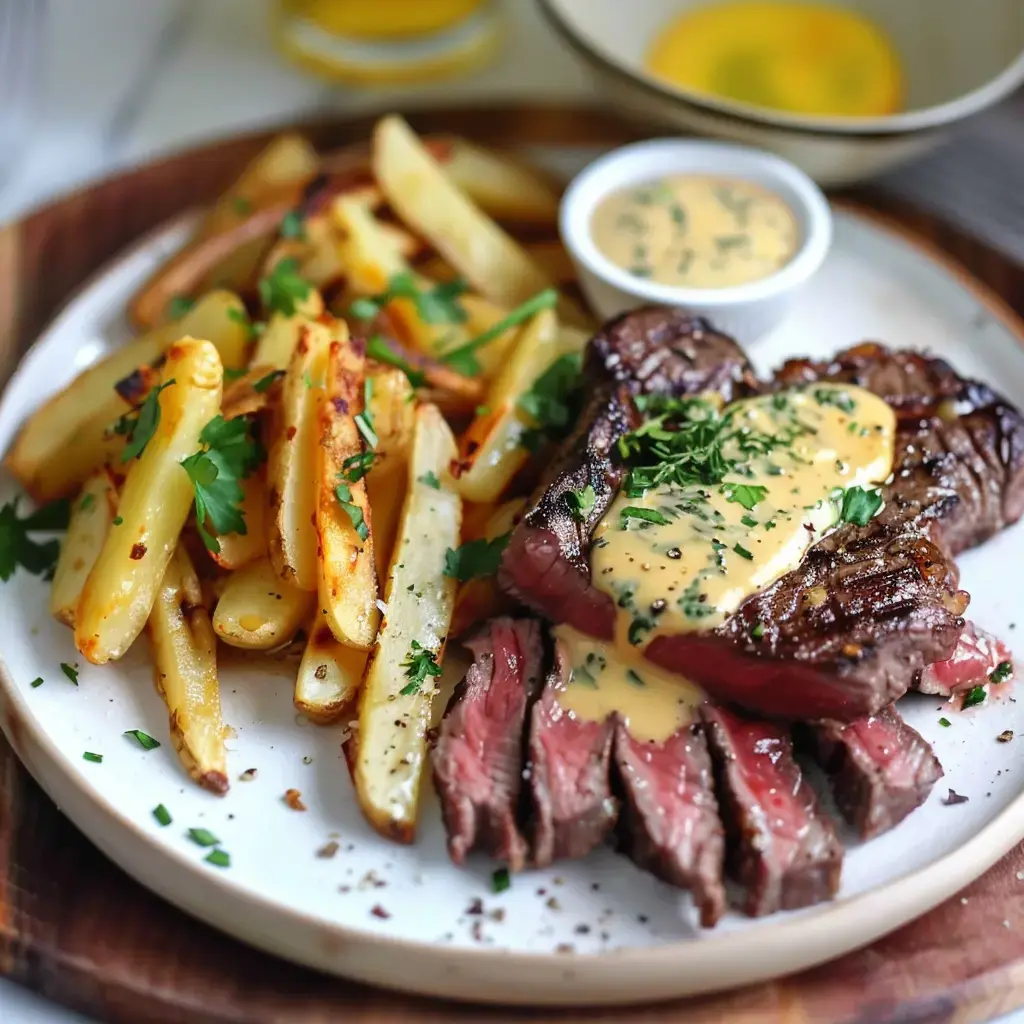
{"x":696,"y":231}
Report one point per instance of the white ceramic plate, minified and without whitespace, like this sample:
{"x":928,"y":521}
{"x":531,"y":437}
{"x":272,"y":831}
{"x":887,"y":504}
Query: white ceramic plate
{"x":596,"y":931}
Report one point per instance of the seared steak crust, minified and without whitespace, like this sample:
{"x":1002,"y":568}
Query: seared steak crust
{"x":880,"y":769}
{"x":478,"y":757}
{"x":650,"y":351}
{"x":781,"y":849}
{"x":669,"y":823}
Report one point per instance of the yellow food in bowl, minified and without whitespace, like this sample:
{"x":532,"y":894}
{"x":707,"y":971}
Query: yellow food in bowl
{"x":800,"y":58}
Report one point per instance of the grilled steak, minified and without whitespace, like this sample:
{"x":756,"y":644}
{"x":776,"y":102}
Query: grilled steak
{"x":781,"y":849}
{"x":478,"y":758}
{"x":650,"y":351}
{"x":978,"y":654}
{"x":879,"y":767}
{"x":569,"y":768}
{"x":848,"y":631}
{"x":669,"y":823}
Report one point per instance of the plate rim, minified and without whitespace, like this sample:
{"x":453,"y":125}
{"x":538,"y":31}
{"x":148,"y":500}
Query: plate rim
{"x":614,"y":977}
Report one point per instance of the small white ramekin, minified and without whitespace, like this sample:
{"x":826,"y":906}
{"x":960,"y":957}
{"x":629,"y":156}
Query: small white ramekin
{"x":746,"y":311}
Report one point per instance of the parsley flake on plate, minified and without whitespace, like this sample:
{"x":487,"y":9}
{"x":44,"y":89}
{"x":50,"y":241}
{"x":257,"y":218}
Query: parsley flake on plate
{"x":501,"y":880}
{"x":202,"y":837}
{"x":17,"y":548}
{"x":475,"y":558}
{"x":70,"y":671}
{"x":580,"y":503}
{"x":90,"y":756}
{"x":419,"y":663}
{"x":219,"y":858}
{"x":975,"y":695}
{"x":283,"y":288}
{"x":162,"y":815}
{"x":859,"y":506}
{"x":143,"y":739}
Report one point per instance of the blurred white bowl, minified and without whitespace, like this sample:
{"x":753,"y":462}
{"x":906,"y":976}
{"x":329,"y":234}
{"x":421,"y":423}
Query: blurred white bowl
{"x":746,"y":311}
{"x":958,"y":57}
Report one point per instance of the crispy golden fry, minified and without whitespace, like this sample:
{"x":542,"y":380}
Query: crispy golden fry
{"x":92,"y":513}
{"x":252,"y":393}
{"x":386,"y":486}
{"x":155,"y":501}
{"x":239,"y":549}
{"x":347,"y":577}
{"x":394,"y":711}
{"x":291,"y":464}
{"x":392,"y":411}
{"x":66,"y":439}
{"x":491,"y":453}
{"x":426,"y":199}
{"x":329,"y":676}
{"x":184,"y":653}
{"x":277,"y":342}
{"x":258,"y":610}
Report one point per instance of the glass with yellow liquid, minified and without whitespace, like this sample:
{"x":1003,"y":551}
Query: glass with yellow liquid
{"x":387,"y":41}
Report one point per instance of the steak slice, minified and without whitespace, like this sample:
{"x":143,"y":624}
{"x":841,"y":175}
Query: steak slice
{"x":569,"y":771}
{"x":546,"y":564}
{"x":478,"y":757}
{"x":669,"y":824}
{"x":780,"y":848}
{"x":978,"y":654}
{"x":880,"y":769}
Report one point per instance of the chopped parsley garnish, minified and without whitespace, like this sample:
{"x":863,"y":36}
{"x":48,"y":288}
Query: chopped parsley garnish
{"x":355,"y":467}
{"x":552,"y":402}
{"x":975,"y":695}
{"x":647,"y":515}
{"x":1001,"y":672}
{"x":292,"y":225}
{"x":241,"y":206}
{"x":37,"y":682}
{"x":364,"y":419}
{"x":178,"y":306}
{"x":230,"y":454}
{"x":202,"y":837}
{"x":87,"y":502}
{"x":430,"y":479}
{"x":945,"y":723}
{"x":377,"y":348}
{"x":634,"y":678}
{"x":140,"y":424}
{"x":747,"y":495}
{"x":743,"y":552}
{"x":435,"y":304}
{"x":463,"y":360}
{"x":253,"y":328}
{"x":18,"y":549}
{"x":266,"y":383}
{"x":162,"y":815}
{"x":419,"y":663}
{"x":70,"y":671}
{"x":144,"y":739}
{"x":90,"y":756}
{"x":580,"y":503}
{"x":748,"y":521}
{"x":758,"y":631}
{"x":219,"y":858}
{"x":118,"y":520}
{"x":344,"y":495}
{"x":859,"y":506}
{"x":475,"y":558}
{"x":283,"y":288}
{"x":500,"y":880}
{"x":693,"y":603}
{"x":839,"y":399}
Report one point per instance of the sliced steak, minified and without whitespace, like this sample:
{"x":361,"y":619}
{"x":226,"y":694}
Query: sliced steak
{"x":649,"y":351}
{"x":669,"y":823}
{"x":978,"y":654}
{"x":478,"y":757}
{"x":780,"y":847}
{"x":569,"y":770}
{"x":879,"y":767}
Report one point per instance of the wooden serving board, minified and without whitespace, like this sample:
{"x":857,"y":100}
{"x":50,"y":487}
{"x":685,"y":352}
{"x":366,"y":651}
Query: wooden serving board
{"x":77,"y":929}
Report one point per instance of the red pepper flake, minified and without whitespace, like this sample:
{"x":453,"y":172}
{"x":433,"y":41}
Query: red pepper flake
{"x":293,"y":798}
{"x":378,"y":911}
{"x":955,"y":798}
{"x":138,"y":552}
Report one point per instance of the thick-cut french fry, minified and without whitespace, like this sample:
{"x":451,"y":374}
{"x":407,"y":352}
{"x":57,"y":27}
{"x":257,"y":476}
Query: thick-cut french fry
{"x":291,"y":465}
{"x":91,"y":515}
{"x":81,"y":413}
{"x":155,"y":501}
{"x":491,"y":452}
{"x":239,"y":549}
{"x":426,"y":199}
{"x":386,"y":486}
{"x":258,"y":610}
{"x":184,"y":653}
{"x":277,"y":342}
{"x":329,"y":676}
{"x":392,"y":411}
{"x":394,"y":707}
{"x":347,"y":576}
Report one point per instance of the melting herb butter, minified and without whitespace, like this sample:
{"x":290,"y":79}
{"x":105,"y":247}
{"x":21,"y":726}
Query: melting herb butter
{"x":719,"y":505}
{"x":695,"y":231}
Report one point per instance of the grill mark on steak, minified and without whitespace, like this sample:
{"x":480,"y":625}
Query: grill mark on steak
{"x":880,"y":769}
{"x":781,"y":849}
{"x":569,"y":768}
{"x":669,"y":823}
{"x":546,"y":564}
{"x":478,"y":758}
